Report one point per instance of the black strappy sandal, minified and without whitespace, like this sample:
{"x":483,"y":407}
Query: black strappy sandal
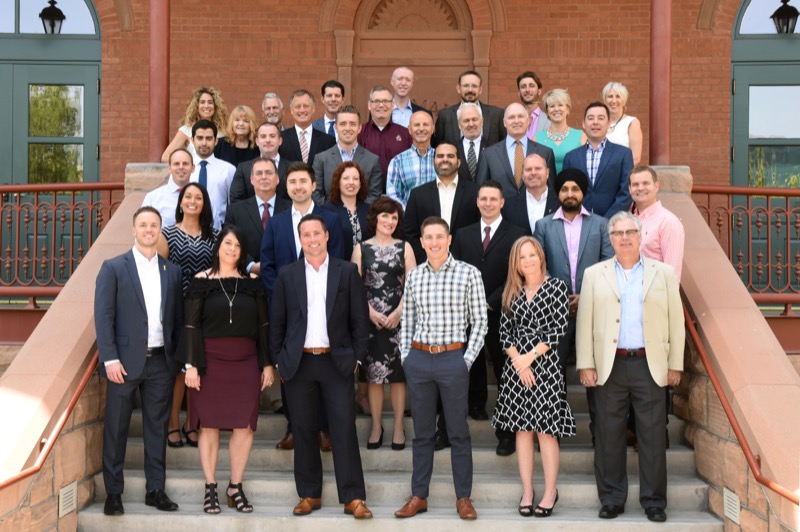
{"x":527,"y":510}
{"x":238,"y":500}
{"x":540,"y":511}
{"x":211,"y":502}
{"x":175,"y":444}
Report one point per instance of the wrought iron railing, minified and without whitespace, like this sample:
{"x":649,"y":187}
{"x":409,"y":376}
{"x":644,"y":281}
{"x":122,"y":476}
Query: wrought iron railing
{"x":47,"y":229}
{"x":759,"y":228}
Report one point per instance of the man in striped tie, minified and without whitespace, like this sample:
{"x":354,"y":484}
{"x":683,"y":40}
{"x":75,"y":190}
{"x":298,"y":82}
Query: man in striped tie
{"x":470,"y":122}
{"x":302,"y":142}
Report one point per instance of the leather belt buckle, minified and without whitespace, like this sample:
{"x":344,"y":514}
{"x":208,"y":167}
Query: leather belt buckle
{"x":317,"y":350}
{"x":437,"y":349}
{"x":155,"y":351}
{"x":631,"y":353}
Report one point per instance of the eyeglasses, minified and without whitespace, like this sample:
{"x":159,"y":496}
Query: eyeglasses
{"x":381,"y":102}
{"x":630,"y":233}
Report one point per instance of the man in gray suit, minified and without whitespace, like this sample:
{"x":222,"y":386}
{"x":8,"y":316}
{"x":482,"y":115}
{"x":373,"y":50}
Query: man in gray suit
{"x":348,"y":126}
{"x":503,"y":161}
{"x":572,"y":239}
{"x":138,"y":318}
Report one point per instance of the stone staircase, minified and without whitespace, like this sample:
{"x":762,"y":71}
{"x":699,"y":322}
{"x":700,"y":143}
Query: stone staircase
{"x":269,"y":484}
{"x":7,"y":354}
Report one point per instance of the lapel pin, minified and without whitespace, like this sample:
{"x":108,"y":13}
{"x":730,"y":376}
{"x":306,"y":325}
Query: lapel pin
{"x":399,"y":138}
{"x":164,"y":266}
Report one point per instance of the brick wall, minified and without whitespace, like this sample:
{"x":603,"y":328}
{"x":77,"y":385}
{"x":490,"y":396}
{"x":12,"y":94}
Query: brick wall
{"x":245,"y":48}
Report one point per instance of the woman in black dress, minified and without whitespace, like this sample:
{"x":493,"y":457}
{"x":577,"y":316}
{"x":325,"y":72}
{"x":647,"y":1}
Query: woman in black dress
{"x":383,"y":262}
{"x":225,"y":348}
{"x":239,"y":144}
{"x":531,"y":397}
{"x":187,"y":244}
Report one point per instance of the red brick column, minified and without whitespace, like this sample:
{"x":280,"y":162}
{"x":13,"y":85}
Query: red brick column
{"x":660,"y":80}
{"x":158,"y":136}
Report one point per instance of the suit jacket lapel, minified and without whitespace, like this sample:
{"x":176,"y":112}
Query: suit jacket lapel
{"x":585,"y":229}
{"x":434,"y":199}
{"x":459,"y":195}
{"x":162,"y":272}
{"x":649,"y":275}
{"x":610,"y":274}
{"x":334,"y":273}
{"x":130,"y":262}
{"x":315,"y":140}
{"x":608,"y":153}
{"x":300,"y":287}
{"x":498,"y":236}
{"x":252,"y":211}
{"x":558,"y":225}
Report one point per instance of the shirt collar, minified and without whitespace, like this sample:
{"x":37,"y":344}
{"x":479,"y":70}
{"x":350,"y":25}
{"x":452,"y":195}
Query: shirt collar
{"x":510,"y":141}
{"x":406,"y":106}
{"x":533,"y":198}
{"x":301,"y":130}
{"x":429,"y":151}
{"x":270,"y":202}
{"x":295,"y":212}
{"x":649,"y":211}
{"x":559,"y":214}
{"x":172,"y":186}
{"x":494,"y":225}
{"x":440,"y":183}
{"x":640,"y":262}
{"x":322,"y":267}
{"x":143,"y":261}
{"x":600,"y":147}
{"x":448,"y":263}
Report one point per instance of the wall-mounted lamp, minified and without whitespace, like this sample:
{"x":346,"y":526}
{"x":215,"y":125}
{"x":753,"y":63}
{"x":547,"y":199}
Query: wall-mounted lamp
{"x":52,"y":17}
{"x":785,"y":18}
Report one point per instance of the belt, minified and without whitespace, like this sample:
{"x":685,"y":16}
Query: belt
{"x":316,"y":350}
{"x":436,"y":349}
{"x":155,"y":351}
{"x":631,"y":353}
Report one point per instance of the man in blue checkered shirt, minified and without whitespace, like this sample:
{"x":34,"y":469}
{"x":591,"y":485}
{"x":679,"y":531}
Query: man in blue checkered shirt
{"x":444,"y":300}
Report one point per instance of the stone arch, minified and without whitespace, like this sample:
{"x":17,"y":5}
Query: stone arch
{"x":124,"y":14}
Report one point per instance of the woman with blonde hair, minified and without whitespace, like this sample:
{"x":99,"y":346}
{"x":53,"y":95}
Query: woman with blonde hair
{"x":205,"y":103}
{"x":623,"y":128}
{"x":239,"y":144}
{"x":532,"y":394}
{"x":559,"y":136}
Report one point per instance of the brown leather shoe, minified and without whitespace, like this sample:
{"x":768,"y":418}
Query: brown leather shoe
{"x":324,"y":441}
{"x":465,"y":508}
{"x":413,"y":506}
{"x":358,"y":509}
{"x":307,"y":505}
{"x":287,"y":443}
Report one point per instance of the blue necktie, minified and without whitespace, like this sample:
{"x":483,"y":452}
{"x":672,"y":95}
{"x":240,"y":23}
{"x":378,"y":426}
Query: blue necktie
{"x":203,"y":174}
{"x":330,"y":128}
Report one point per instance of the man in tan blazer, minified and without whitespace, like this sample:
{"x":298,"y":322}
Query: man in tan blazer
{"x":630,"y":342}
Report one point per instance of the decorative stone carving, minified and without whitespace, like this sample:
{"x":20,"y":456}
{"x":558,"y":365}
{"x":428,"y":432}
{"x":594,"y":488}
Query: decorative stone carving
{"x":413,"y":15}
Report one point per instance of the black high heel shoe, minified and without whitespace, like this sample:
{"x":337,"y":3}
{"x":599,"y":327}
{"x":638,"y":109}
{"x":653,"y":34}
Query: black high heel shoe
{"x":376,"y":444}
{"x":527,"y":510}
{"x":238,"y":500}
{"x":539,"y":511}
{"x":211,"y":502}
{"x":399,"y":446}
{"x":189,"y":442}
{"x":175,"y":444}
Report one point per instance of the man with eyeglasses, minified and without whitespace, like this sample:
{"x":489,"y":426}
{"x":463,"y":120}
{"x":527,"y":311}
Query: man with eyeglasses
{"x":379,"y":134}
{"x":630,"y":342}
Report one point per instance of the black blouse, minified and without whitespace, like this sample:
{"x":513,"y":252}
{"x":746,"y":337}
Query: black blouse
{"x":208,"y":315}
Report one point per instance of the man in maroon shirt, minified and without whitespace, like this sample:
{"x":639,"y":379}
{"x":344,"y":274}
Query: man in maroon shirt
{"x":380,"y":135}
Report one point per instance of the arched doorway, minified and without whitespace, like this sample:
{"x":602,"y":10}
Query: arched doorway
{"x":52,"y":119}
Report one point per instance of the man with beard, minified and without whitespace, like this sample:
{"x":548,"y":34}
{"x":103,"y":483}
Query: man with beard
{"x":413,"y":167}
{"x":573,"y":239}
{"x":530,"y":94}
{"x":469,"y":88}
{"x":214,"y":174}
{"x":272,"y":109}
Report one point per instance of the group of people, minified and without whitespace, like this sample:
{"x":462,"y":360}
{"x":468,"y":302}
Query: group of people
{"x":341,"y":256}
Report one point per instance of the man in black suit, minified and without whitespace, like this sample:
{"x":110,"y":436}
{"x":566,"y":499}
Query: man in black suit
{"x":138,"y":317}
{"x":448,"y":197}
{"x":502,"y":162}
{"x":539,"y":198}
{"x":252,"y":214}
{"x":319,"y":327}
{"x":469,"y":88}
{"x":471,"y":145}
{"x":268,"y":140}
{"x":487,"y":246}
{"x":303,"y":142}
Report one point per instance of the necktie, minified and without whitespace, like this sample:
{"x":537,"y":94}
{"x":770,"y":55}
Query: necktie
{"x":203,"y":180}
{"x":486,"y":230}
{"x":518,"y":158}
{"x":472,"y":160}
{"x":265,"y":216}
{"x":330,"y":128}
{"x":303,"y":147}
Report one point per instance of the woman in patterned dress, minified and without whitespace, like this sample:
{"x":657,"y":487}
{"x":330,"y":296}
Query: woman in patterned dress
{"x":532,"y":397}
{"x":188,"y":244}
{"x":383,"y":262}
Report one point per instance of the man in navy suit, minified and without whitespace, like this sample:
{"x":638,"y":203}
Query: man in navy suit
{"x":251,"y":215}
{"x":302,"y":142}
{"x":138,"y":316}
{"x":606,"y":164}
{"x":332,"y":100}
{"x":319,"y":329}
{"x":537,"y":201}
{"x":268,"y":140}
{"x":503,"y":161}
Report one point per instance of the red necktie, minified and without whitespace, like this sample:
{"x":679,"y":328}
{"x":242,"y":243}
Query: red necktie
{"x":265,"y":216}
{"x":486,"y":230}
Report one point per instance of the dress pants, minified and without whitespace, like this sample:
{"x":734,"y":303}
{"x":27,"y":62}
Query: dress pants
{"x":155,"y":387}
{"x":318,"y":382}
{"x":630,"y":383}
{"x":429,"y":375}
{"x":322,"y":422}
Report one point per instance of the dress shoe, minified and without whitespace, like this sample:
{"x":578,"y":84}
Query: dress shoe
{"x":657,"y":515}
{"x":307,"y":505}
{"x":478,"y":413}
{"x":113,"y":505}
{"x":324,"y":440}
{"x":358,"y":509}
{"x":440,"y":441}
{"x":175,"y":444}
{"x":506,"y":447}
{"x":610,"y":511}
{"x":376,"y":444}
{"x":465,"y":508}
{"x":287,"y":443}
{"x":413,"y":506}
{"x":630,"y":438}
{"x":160,"y":500}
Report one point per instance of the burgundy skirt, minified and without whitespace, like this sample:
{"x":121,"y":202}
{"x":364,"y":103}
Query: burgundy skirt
{"x":230,"y":390}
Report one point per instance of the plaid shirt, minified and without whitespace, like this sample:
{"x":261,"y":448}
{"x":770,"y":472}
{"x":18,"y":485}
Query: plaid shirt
{"x":438,"y":307}
{"x":407,"y":170}
{"x":593,"y":159}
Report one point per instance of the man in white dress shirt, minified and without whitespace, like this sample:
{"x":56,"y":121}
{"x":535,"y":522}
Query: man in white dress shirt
{"x":214,"y":174}
{"x":165,"y":197}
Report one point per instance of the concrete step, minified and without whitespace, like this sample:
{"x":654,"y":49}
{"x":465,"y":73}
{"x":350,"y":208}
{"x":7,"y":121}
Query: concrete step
{"x":685,"y":493}
{"x":272,"y":427}
{"x":440,"y":517}
{"x":575,"y":458}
